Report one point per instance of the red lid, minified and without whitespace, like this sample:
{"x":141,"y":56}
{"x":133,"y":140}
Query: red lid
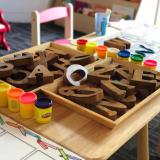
{"x":150,"y":63}
{"x":82,"y":41}
{"x":101,"y":48}
{"x":28,"y":97}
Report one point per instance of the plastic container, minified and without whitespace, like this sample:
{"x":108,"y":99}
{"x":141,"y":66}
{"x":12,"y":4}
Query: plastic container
{"x":81,"y":44}
{"x":90,"y":47}
{"x":43,"y":110}
{"x":150,"y":64}
{"x":137,"y":59}
{"x":13,"y":99}
{"x":3,"y":94}
{"x":27,"y":107}
{"x":101,"y":51}
{"x":124,"y":55}
{"x":112,"y":52}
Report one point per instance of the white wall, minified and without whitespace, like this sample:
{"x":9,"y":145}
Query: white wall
{"x":147,"y":11}
{"x":158,"y":14}
{"x":20,"y":10}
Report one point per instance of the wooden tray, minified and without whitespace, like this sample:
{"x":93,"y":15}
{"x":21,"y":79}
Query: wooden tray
{"x":51,"y":90}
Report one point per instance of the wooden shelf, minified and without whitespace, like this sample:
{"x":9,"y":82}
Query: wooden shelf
{"x":85,"y":23}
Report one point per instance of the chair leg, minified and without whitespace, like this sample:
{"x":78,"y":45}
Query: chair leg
{"x":4,"y":42}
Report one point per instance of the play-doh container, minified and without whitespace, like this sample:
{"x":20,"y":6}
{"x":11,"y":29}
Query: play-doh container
{"x":112,"y":52}
{"x":137,"y":59}
{"x":150,"y":64}
{"x":13,"y":95}
{"x":90,"y":47}
{"x":81,"y":44}
{"x":27,"y":107}
{"x":3,"y":94}
{"x":43,"y":110}
{"x":101,"y":51}
{"x":124,"y":55}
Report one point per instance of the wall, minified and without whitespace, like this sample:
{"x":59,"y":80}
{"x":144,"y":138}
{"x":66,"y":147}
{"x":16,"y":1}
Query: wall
{"x":20,"y":10}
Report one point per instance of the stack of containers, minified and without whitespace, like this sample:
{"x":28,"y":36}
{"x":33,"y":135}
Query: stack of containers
{"x":26,"y":103}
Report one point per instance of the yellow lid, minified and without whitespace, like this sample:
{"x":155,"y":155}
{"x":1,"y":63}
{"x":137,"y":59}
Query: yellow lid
{"x":91,"y":44}
{"x":4,"y":86}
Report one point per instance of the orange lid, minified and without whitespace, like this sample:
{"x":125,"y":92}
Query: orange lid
{"x":101,"y":48}
{"x":14,"y":92}
{"x":28,"y":97}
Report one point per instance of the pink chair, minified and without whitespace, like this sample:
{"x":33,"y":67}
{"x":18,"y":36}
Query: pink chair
{"x":4,"y":27}
{"x":52,"y":14}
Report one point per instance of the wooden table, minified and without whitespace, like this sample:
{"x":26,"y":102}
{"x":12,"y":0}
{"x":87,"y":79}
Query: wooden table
{"x":90,"y":139}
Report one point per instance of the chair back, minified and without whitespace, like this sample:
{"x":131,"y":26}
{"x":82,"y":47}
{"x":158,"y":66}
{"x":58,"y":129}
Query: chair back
{"x":52,"y":14}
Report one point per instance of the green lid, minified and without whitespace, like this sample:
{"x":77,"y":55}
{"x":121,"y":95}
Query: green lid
{"x":137,"y":58}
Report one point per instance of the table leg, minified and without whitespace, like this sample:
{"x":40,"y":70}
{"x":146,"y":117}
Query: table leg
{"x":143,"y":144}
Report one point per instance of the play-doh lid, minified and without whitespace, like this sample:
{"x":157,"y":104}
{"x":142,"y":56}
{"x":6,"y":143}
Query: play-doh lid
{"x":91,"y":44}
{"x":124,"y":54}
{"x":28,"y":97}
{"x":150,"y":63}
{"x":43,"y":102}
{"x":82,"y":41}
{"x":4,"y":86}
{"x":113,"y":50}
{"x":101,"y":48}
{"x":137,"y":57}
{"x":14,"y":92}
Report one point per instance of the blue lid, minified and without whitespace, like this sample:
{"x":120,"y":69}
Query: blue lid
{"x":43,"y":102}
{"x":124,"y":54}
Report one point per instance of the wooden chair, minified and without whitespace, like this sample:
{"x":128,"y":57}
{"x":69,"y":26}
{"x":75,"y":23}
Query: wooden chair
{"x":4,"y":27}
{"x":50,"y":15}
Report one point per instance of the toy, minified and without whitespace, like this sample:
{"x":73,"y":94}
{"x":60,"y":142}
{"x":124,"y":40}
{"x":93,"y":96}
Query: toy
{"x":130,"y":90}
{"x":40,"y":75}
{"x":27,"y":100}
{"x":112,"y":52}
{"x":4,"y":27}
{"x":6,"y":69}
{"x":118,"y":43}
{"x":75,"y":75}
{"x":82,"y":94}
{"x":82,"y":59}
{"x":43,"y":110}
{"x":124,"y":55}
{"x":81,"y":44}
{"x":140,"y":78}
{"x":90,"y":47}
{"x":112,"y":90}
{"x":13,"y":95}
{"x":3,"y":94}
{"x":106,"y":112}
{"x":62,"y":64}
{"x":137,"y":59}
{"x":20,"y":59}
{"x":101,"y":51}
{"x":111,"y":104}
{"x":122,"y":73}
{"x":19,"y":78}
{"x":150,"y":64}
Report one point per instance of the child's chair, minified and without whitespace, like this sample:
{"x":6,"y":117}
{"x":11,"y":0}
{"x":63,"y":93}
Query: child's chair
{"x":4,"y":27}
{"x":50,"y":15}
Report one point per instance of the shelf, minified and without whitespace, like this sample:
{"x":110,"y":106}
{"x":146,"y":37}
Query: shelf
{"x":84,"y":23}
